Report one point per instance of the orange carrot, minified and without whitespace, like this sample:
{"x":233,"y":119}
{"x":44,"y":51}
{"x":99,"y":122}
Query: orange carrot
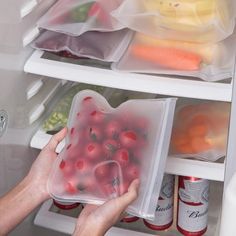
{"x":200,"y":144}
{"x":172,"y":58}
{"x":198,"y":130}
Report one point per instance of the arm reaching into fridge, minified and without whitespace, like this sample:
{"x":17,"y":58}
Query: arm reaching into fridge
{"x":31,"y":191}
{"x":101,"y":218}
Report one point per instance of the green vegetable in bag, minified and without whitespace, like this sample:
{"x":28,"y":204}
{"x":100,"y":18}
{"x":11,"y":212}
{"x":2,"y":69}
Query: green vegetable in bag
{"x":59,"y":116}
{"x":80,"y":13}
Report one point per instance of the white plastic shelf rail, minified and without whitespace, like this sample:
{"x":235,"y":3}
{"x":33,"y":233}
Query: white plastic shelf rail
{"x":66,"y":224}
{"x":176,"y":166}
{"x":138,"y":82}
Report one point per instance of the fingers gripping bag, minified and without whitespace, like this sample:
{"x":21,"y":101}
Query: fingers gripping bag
{"x":209,"y":62}
{"x":200,"y":131}
{"x":75,"y":17}
{"x":106,"y":148}
{"x":201,"y":21}
{"x":105,"y":46}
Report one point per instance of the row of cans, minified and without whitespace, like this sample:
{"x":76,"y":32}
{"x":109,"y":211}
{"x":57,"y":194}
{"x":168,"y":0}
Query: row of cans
{"x":192,"y":206}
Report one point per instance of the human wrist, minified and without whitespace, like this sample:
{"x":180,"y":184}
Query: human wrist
{"x":36,"y":189}
{"x":88,"y":229}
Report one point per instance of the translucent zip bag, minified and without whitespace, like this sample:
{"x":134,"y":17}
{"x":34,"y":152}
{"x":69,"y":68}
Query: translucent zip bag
{"x":58,"y":117}
{"x":106,"y":148}
{"x":201,"y":21}
{"x":210,"y":62}
{"x":200,"y":131}
{"x":105,"y":46}
{"x":75,"y":17}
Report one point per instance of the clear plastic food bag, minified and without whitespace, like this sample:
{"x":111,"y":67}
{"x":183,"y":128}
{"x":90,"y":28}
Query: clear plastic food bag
{"x":75,"y":17}
{"x":200,"y":131}
{"x":201,"y":21}
{"x":210,"y":62}
{"x":105,"y":46}
{"x":58,"y":117}
{"x":106,"y":148}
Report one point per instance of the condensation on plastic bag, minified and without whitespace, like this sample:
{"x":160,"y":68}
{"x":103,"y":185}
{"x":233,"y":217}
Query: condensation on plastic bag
{"x":75,"y":17}
{"x":105,"y":46}
{"x":201,"y":21}
{"x":210,"y":62}
{"x":200,"y":131}
{"x":106,"y":148}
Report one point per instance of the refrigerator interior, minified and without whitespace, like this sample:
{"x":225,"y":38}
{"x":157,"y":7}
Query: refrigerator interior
{"x":31,"y":83}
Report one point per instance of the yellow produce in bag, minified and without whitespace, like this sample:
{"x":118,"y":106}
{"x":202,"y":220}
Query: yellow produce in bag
{"x":200,"y":21}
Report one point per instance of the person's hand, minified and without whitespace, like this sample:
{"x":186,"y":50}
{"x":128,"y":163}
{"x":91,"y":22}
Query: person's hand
{"x":96,"y":220}
{"x":40,"y":170}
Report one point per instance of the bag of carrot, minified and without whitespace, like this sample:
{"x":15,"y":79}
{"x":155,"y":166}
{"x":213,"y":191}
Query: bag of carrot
{"x":200,"y":131}
{"x":209,"y":62}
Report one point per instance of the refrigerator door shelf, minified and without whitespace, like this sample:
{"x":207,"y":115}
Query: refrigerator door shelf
{"x":175,"y":166}
{"x":180,"y":87}
{"x":34,"y":88}
{"x":37,"y":105}
{"x":27,"y":8}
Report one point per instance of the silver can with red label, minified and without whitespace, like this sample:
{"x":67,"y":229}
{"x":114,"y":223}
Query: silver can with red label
{"x":128,"y":218}
{"x":164,"y":210}
{"x":193,"y":194}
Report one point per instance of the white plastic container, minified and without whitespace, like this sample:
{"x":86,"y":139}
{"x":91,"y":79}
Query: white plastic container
{"x":106,"y":148}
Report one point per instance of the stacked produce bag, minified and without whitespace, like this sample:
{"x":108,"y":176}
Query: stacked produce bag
{"x":200,"y":130}
{"x":83,"y":29}
{"x":175,"y":37}
{"x":179,"y":37}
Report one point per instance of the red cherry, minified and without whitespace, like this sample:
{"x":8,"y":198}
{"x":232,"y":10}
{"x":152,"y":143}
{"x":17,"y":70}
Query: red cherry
{"x":93,"y":151}
{"x":109,"y":147}
{"x":62,"y":165}
{"x":113,"y":128}
{"x":97,"y":116}
{"x":83,"y":166}
{"x":128,"y":139}
{"x":132,"y":172}
{"x":72,"y":130}
{"x":70,"y":188}
{"x":122,"y":157}
{"x":82,"y":120}
{"x":67,"y":167}
{"x":102,"y":171}
{"x":86,"y":184}
{"x":94,"y":133}
{"x":87,"y":99}
{"x":108,"y":190}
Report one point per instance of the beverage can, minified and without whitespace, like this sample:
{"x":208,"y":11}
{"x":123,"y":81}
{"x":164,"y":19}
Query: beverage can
{"x":128,"y":218}
{"x":193,"y":194}
{"x":65,"y":205}
{"x":164,"y":210}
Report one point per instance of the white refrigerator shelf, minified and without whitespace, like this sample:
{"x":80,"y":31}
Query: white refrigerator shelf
{"x":176,"y":166}
{"x":66,"y":224}
{"x":180,"y":87}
